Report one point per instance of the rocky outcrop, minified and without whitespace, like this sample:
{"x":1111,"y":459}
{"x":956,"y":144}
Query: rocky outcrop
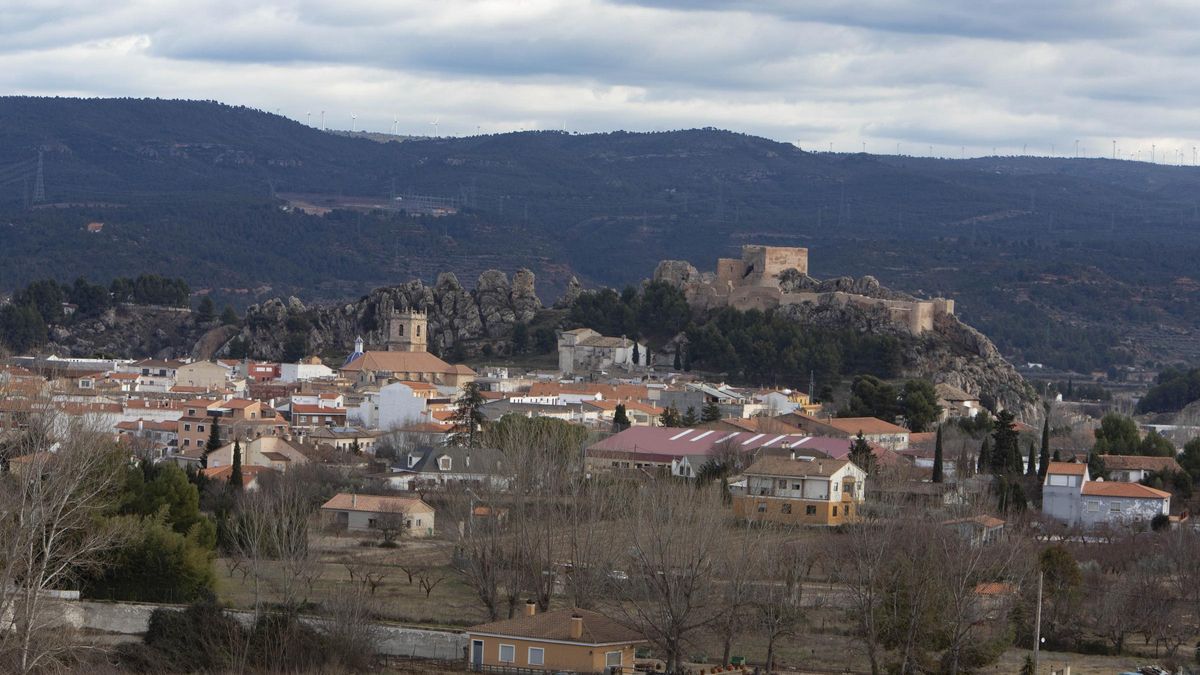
{"x":793,"y":281}
{"x":953,"y":352}
{"x":129,"y":331}
{"x":459,"y":319}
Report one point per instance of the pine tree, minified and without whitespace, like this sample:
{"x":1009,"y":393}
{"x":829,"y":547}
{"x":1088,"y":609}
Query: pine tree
{"x":620,"y":418}
{"x":468,"y":416}
{"x":937,"y":457}
{"x":711,"y":412}
{"x":985,"y":456}
{"x":1044,"y":457}
{"x":207,"y":311}
{"x":229,"y":317}
{"x":861,"y":454}
{"x":1057,"y":456}
{"x":670,"y":417}
{"x":235,"y":475}
{"x":689,"y":418}
{"x":1031,"y":468}
{"x":1006,"y":453}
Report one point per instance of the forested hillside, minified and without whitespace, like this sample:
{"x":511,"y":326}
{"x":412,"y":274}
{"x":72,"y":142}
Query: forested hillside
{"x":1074,"y":263}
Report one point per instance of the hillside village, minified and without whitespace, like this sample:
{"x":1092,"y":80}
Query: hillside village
{"x":496,"y":489}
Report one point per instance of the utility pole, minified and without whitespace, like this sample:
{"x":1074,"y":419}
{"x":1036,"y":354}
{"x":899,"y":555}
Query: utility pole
{"x":1037,"y":625}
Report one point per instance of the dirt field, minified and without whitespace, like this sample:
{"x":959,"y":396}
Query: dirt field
{"x":824,"y":646}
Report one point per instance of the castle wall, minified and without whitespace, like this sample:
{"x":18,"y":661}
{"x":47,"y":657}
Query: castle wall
{"x":753,"y":283}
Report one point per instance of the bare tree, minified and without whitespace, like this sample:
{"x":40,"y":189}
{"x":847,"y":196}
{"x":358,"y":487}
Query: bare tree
{"x":859,"y":560}
{"x":272,"y":525}
{"x":673,"y":537}
{"x":64,"y":475}
{"x":429,"y":579}
{"x":775,"y":595}
{"x":391,"y":522}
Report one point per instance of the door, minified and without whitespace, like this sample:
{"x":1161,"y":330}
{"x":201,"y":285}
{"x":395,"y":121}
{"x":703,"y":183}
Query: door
{"x":476,"y":655}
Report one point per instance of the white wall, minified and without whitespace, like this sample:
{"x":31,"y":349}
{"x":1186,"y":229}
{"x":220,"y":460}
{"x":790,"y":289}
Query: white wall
{"x":398,"y":406}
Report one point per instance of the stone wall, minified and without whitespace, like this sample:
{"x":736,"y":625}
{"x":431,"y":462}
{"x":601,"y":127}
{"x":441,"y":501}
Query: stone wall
{"x":767,"y":277}
{"x":127,"y":618}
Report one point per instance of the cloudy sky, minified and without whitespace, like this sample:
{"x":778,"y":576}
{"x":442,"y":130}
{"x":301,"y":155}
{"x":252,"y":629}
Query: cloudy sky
{"x":933,"y":76}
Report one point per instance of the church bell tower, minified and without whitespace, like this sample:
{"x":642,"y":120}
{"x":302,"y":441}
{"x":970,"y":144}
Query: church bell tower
{"x":407,"y":331}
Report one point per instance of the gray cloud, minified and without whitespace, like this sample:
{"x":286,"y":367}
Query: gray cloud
{"x":995,"y":73}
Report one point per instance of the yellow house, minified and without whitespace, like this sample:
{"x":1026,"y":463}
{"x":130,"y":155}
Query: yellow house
{"x":573,"y":640}
{"x":802,"y":491}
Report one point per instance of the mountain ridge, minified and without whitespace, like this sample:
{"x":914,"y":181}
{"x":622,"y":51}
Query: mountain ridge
{"x":186,"y":176}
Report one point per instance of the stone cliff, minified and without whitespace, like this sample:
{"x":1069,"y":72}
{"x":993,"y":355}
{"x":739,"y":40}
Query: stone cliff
{"x":952,"y":352}
{"x":470,"y":319}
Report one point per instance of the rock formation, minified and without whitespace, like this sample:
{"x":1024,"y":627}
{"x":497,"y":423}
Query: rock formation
{"x":458,"y":317}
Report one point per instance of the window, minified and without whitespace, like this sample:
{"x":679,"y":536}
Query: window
{"x":795,"y":486}
{"x":835,"y":510}
{"x":508,"y":653}
{"x":418,"y":330}
{"x":187,"y":427}
{"x":400,"y":332}
{"x":200,"y":428}
{"x":835,"y":487}
{"x":847,"y":509}
{"x":786,"y":508}
{"x":612,"y":659}
{"x":762,"y":507}
{"x":444,"y":463}
{"x":1093,"y":506}
{"x":537,"y":656}
{"x":1115,"y":507}
{"x":782,"y":483}
{"x":418,"y":522}
{"x":372,"y":522}
{"x":810,"y":510}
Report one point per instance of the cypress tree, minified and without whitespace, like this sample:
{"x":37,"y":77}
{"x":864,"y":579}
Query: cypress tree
{"x":1031,"y":468}
{"x":1044,"y":458}
{"x":620,"y":418}
{"x":235,"y":475}
{"x":678,"y":364}
{"x":985,"y":456}
{"x":937,"y":457}
{"x":637,"y":354}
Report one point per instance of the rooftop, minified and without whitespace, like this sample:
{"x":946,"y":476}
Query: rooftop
{"x":556,"y":625}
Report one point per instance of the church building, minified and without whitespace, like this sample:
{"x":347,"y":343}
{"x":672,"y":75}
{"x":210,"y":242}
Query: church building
{"x":404,"y":357}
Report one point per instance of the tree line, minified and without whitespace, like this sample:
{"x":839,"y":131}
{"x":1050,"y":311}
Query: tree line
{"x":25,"y":320}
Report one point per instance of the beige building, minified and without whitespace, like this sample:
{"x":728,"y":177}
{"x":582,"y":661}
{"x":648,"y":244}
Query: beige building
{"x":583,"y":350}
{"x":804,"y":491}
{"x":271,"y":452}
{"x":564,"y":640}
{"x":362,"y":513}
{"x":206,"y":374}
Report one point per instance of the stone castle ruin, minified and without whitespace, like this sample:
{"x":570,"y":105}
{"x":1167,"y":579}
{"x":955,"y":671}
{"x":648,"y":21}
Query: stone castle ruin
{"x":767,"y":277}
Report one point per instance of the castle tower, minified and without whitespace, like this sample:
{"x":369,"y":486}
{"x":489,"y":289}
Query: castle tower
{"x":407,"y":331}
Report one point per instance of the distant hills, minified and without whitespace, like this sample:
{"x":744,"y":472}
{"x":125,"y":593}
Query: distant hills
{"x":1075,"y":263}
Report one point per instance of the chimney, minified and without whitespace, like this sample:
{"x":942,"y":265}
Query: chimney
{"x":576,"y":627}
{"x":353,"y":499}
{"x":530,"y":608}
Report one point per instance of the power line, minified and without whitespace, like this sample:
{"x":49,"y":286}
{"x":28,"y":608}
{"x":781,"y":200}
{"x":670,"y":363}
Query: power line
{"x":39,"y":183}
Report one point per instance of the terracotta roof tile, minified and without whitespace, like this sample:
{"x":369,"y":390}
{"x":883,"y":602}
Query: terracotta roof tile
{"x":345,"y":501}
{"x":556,"y":625}
{"x":1097,"y":488}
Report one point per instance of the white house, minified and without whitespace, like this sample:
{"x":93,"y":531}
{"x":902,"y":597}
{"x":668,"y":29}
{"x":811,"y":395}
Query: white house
{"x":1071,"y":497}
{"x":308,"y":369}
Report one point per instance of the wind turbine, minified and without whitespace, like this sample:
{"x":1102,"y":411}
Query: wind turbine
{"x":308,"y":118}
{"x":322,"y":120}
{"x":353,"y":121}
{"x":395,"y":124}
{"x":435,"y":126}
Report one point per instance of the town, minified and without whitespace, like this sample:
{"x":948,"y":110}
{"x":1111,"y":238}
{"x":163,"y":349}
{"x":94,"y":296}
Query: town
{"x":613,"y":514}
